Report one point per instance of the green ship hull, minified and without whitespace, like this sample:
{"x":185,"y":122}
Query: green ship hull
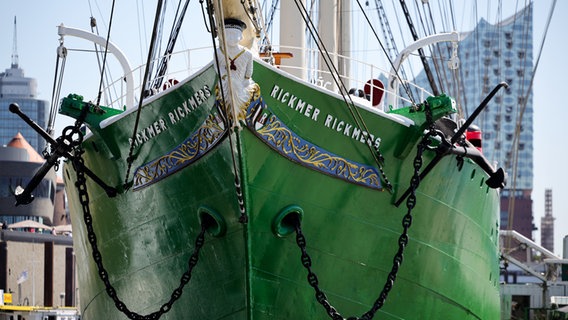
{"x":298,"y":153}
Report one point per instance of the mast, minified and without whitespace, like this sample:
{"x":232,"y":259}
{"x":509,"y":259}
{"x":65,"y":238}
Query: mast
{"x":335,"y":31}
{"x":15,"y":47}
{"x":293,"y":39}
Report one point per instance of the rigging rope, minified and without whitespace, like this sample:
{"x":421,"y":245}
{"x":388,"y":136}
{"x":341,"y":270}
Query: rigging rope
{"x":57,"y":82}
{"x":99,"y":92}
{"x":428,"y":30}
{"x":420,"y":50}
{"x":377,"y":156}
{"x":387,"y":32}
{"x":268,"y":27}
{"x":130,"y":158}
{"x":107,"y":76}
{"x":405,"y":86}
{"x":174,"y":33}
{"x":251,"y":14}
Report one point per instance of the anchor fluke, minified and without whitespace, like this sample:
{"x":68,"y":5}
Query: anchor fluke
{"x":496,"y":179}
{"x":23,"y":197}
{"x":14,"y":108}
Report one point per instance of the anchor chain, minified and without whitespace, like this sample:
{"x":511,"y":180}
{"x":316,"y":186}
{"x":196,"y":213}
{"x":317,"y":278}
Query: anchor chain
{"x":81,"y":186}
{"x":397,"y":259}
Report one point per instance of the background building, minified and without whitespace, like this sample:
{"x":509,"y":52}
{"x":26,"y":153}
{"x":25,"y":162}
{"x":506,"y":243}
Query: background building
{"x":18,"y":164}
{"x":15,"y":88}
{"x":38,"y":269}
{"x":489,"y":55}
{"x":37,"y":263}
{"x":547,"y":223}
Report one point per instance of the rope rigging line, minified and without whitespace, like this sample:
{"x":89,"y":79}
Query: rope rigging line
{"x":99,"y":92}
{"x":377,"y":156}
{"x":142,"y":32}
{"x":57,"y":83}
{"x":156,"y":51}
{"x":174,"y":33}
{"x":429,"y":29}
{"x":107,"y":75}
{"x":387,"y":32}
{"x":130,"y":159}
{"x":405,"y":86}
{"x":268,"y":27}
{"x":388,"y":35}
{"x":404,"y":45}
{"x":212,"y":31}
{"x":441,"y":71}
{"x":420,"y":50}
{"x":251,"y":14}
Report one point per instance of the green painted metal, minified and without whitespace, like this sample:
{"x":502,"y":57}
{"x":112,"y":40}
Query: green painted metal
{"x":253,"y":270}
{"x":73,"y":104}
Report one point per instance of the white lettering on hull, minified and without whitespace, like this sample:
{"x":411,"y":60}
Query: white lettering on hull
{"x":306,"y":109}
{"x":174,"y":116}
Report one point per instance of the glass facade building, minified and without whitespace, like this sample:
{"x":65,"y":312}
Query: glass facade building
{"x":489,"y":55}
{"x":15,"y":88}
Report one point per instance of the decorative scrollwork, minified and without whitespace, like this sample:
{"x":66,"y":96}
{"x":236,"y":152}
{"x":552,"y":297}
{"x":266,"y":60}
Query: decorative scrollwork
{"x":270,"y":129}
{"x":277,"y":135}
{"x":198,"y":144}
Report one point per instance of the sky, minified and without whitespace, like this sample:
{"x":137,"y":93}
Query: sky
{"x":37,"y":41}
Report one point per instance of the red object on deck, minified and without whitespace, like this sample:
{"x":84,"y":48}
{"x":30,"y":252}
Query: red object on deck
{"x":473,"y":135}
{"x":374,"y":90}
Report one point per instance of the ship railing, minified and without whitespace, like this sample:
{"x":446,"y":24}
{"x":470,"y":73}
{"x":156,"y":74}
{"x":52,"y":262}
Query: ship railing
{"x":532,"y":258}
{"x":355,"y":74}
{"x":181,"y":65}
{"x":122,"y":93}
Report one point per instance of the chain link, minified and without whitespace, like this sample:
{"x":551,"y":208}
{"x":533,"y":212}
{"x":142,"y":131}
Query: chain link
{"x":397,"y":259}
{"x":81,"y":186}
{"x":380,"y":162}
